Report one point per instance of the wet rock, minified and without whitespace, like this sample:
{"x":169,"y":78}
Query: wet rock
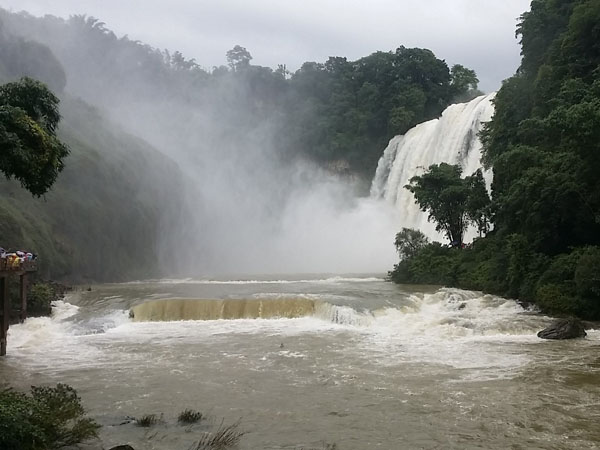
{"x":122,"y":447}
{"x":463,"y":305}
{"x":525,"y":305}
{"x":127,"y":420}
{"x":563,"y":329}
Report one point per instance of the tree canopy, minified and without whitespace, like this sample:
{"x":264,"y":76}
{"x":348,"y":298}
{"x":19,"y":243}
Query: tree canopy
{"x":348,"y":110}
{"x":238,"y":58}
{"x":409,"y":242}
{"x":544,"y":140}
{"x":31,"y":151}
{"x":543,"y":144}
{"x":339,"y":113}
{"x":451,"y":201}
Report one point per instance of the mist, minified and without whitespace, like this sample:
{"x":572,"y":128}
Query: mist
{"x":250,"y":211}
{"x":247,"y":206}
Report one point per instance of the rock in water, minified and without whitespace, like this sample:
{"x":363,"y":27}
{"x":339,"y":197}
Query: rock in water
{"x":563,"y":329}
{"x":122,"y":447}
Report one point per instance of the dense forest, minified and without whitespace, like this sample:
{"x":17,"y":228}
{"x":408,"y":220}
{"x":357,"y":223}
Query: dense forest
{"x":122,"y":208}
{"x":544,"y":147}
{"x":340,"y":112}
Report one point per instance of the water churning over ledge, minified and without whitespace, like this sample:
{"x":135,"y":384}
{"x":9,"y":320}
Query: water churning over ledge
{"x":213,"y":309}
{"x":166,"y":310}
{"x":453,"y":139}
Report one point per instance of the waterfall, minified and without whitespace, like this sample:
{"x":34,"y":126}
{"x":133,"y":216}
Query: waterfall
{"x":453,"y":139}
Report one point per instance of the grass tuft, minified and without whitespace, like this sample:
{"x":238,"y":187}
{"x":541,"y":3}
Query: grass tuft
{"x":189,"y":416}
{"x":224,"y":438}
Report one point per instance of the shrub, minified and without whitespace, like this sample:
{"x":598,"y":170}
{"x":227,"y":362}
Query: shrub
{"x":587,"y":275}
{"x":587,"y":283}
{"x":189,"y":416}
{"x":49,"y":418}
{"x":147,"y":420}
{"x":555,"y":299}
{"x":483,"y":266}
{"x":40,"y":298}
{"x":431,"y":264}
{"x":525,"y":267}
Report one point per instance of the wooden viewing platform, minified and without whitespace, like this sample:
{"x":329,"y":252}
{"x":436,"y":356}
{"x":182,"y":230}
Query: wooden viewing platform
{"x":7,"y":269}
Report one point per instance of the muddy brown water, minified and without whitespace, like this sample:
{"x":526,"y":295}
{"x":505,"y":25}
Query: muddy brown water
{"x":305,"y":361}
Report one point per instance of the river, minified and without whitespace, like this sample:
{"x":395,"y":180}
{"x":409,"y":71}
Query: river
{"x":357,"y":361}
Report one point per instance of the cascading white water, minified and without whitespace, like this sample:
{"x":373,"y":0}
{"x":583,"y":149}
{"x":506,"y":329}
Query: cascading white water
{"x":453,"y":139}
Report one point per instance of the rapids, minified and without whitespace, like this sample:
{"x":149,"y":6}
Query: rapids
{"x":361,"y":362}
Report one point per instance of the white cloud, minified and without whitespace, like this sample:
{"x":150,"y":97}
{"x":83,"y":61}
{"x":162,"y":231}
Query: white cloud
{"x":476,"y":33}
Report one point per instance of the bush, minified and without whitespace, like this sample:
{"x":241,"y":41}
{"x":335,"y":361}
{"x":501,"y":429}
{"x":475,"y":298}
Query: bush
{"x":147,"y":420}
{"x":431,"y":264}
{"x":189,"y":416}
{"x":587,"y":274}
{"x":482,"y":266}
{"x":587,"y":283}
{"x":556,"y":299}
{"x":49,"y":418}
{"x":40,"y":299}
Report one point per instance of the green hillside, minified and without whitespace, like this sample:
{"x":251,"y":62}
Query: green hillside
{"x":102,"y":218}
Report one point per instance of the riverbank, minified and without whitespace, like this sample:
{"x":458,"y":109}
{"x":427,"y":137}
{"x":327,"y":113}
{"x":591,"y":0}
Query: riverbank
{"x":563,"y":285}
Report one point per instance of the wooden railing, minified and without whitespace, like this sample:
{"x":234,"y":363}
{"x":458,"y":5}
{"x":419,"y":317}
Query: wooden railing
{"x":11,"y":265}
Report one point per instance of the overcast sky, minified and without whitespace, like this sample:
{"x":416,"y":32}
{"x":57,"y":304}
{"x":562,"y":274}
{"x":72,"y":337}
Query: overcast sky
{"x":479,"y":34}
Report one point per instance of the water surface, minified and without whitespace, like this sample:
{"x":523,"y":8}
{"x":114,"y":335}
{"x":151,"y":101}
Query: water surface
{"x":372,"y":365}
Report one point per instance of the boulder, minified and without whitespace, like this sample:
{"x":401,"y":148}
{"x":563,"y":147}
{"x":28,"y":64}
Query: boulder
{"x":563,"y":329}
{"x":122,"y":447}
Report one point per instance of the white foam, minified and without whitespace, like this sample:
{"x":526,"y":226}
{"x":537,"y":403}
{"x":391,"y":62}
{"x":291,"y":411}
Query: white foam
{"x":462,"y":329}
{"x":61,"y":310}
{"x":453,"y":327}
{"x":343,"y":315}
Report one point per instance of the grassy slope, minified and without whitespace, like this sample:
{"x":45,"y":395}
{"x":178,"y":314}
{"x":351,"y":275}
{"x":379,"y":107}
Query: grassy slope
{"x":103,"y":216}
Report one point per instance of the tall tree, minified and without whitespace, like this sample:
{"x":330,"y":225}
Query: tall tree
{"x":452,"y":202}
{"x":409,"y":242}
{"x":463,"y":79}
{"x":238,"y":58}
{"x":29,"y":149}
{"x":479,"y":204}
